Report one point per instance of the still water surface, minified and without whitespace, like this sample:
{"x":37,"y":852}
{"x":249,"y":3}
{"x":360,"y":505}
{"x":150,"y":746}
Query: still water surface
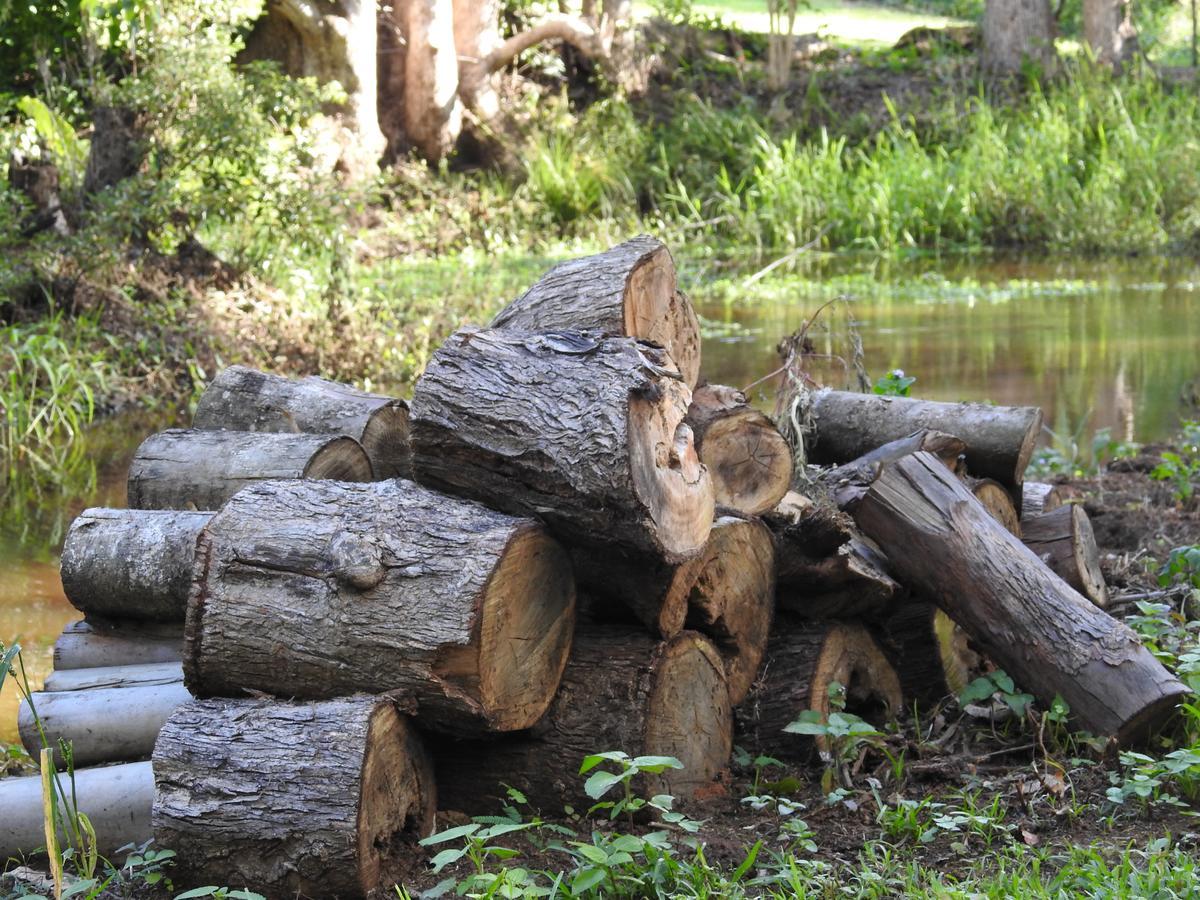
{"x":1098,"y":344}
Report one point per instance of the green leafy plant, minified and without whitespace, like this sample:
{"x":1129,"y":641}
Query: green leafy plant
{"x":998,"y":686}
{"x":601,"y":781}
{"x":219,"y":893}
{"x":895,"y":384}
{"x":844,"y":736}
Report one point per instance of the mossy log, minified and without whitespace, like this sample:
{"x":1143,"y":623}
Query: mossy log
{"x":584,"y":431}
{"x":187,"y":469}
{"x":1063,"y":539}
{"x":131,"y":563}
{"x":316,"y":589}
{"x":627,"y":291}
{"x":243,"y":399}
{"x":292,"y":799}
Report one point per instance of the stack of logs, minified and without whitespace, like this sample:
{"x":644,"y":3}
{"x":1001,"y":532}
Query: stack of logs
{"x":565,"y":543}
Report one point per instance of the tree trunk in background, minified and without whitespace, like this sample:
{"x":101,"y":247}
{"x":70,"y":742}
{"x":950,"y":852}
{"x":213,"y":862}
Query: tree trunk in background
{"x":1109,"y":32}
{"x":432,"y":110}
{"x":476,"y":36}
{"x":1017,"y":33}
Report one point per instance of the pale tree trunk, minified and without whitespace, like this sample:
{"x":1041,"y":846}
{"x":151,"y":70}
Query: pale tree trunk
{"x":1016,"y":34}
{"x":781,"y":43}
{"x":1109,"y":32}
{"x":432,"y":110}
{"x":476,"y":36}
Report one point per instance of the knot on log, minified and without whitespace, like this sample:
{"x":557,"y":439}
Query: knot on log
{"x":356,"y":560}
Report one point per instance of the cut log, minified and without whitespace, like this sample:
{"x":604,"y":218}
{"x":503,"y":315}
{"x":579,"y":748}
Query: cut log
{"x":748,"y":459}
{"x":934,"y":657}
{"x":96,"y":643}
{"x":117,"y":724}
{"x":996,"y":499}
{"x":942,"y":543}
{"x":1063,"y":539}
{"x":242,"y":399}
{"x":949,"y":449}
{"x":628,"y":291}
{"x":186,"y":469}
{"x":114,"y":677}
{"x":116,"y":800}
{"x":586,"y":432}
{"x":130,"y":563}
{"x":318,"y":589}
{"x":1000,"y":439}
{"x":803,"y":660}
{"x":311,"y":799}
{"x":622,"y":690}
{"x":1039,"y":498}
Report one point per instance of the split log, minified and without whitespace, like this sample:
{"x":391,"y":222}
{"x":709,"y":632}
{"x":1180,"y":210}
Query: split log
{"x":586,"y":432}
{"x":748,"y":459}
{"x":116,"y":724}
{"x":116,"y":800}
{"x":130,"y":563}
{"x":312,"y":799}
{"x":622,"y":690}
{"x":242,"y":399}
{"x":185,"y":469}
{"x":381,"y":587}
{"x":96,"y":643}
{"x":996,"y":499}
{"x":114,"y":677}
{"x":1039,"y":498}
{"x":1063,"y":539}
{"x":803,"y":660}
{"x":942,"y":543}
{"x":1000,"y":439}
{"x":628,"y":291}
{"x":934,"y":657}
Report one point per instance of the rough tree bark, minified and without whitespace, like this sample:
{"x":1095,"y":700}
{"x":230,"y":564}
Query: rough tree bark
{"x":467,"y":611}
{"x":1063,"y":539}
{"x":134,"y":564}
{"x":584,"y":431}
{"x":1017,"y":34}
{"x":242,"y":399}
{"x":96,"y":643}
{"x":311,"y":799}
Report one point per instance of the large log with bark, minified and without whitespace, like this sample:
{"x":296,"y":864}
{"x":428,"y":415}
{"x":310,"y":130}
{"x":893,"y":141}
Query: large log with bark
{"x":944,"y":545}
{"x":1000,"y":439}
{"x":116,"y":800}
{"x":104,"y":724}
{"x":804,"y":659}
{"x":584,"y":431}
{"x":312,"y":799}
{"x":622,"y":690}
{"x":627,"y":291}
{"x":96,"y":643}
{"x":243,"y":399}
{"x":131,"y":563}
{"x":187,"y":469}
{"x":316,"y":589}
{"x":113,"y":677}
{"x":748,"y":459}
{"x":1063,"y":539}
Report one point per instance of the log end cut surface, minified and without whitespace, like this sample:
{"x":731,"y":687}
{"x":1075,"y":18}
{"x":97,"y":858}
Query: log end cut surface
{"x":751,"y":463}
{"x":340,"y":459}
{"x":385,"y":438}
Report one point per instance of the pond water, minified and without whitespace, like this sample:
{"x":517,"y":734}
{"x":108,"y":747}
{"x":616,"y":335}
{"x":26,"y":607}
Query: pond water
{"x":1098,"y":344}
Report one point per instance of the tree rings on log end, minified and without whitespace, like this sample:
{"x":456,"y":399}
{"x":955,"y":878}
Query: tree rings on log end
{"x":385,"y":438}
{"x":997,"y":500}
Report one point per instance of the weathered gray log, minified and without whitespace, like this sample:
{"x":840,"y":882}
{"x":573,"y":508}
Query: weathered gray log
{"x":948,"y":448}
{"x":748,"y":459}
{"x":186,"y":469}
{"x":131,"y":563}
{"x":933,"y":656}
{"x":804,"y":658}
{"x":113,"y":677}
{"x":1039,"y":498}
{"x":96,"y":643}
{"x":622,"y":690}
{"x":116,"y":800}
{"x":117,"y":724}
{"x":628,"y":291}
{"x":242,"y":399}
{"x":1063,"y":539}
{"x":1000,"y":439}
{"x":586,"y":432}
{"x":316,"y":589}
{"x":311,"y":799}
{"x":943,"y":544}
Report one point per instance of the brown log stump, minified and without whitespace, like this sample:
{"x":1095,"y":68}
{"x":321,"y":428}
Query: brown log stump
{"x":131,"y":563}
{"x":943,"y":544}
{"x":315,"y":589}
{"x":934,"y":657}
{"x":804,"y":658}
{"x":1063,"y":539}
{"x":95,"y":643}
{"x":586,"y":432}
{"x":316,"y":799}
{"x":185,"y":469}
{"x":628,"y":291}
{"x":748,"y":459}
{"x":242,"y":399}
{"x":622,"y":690}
